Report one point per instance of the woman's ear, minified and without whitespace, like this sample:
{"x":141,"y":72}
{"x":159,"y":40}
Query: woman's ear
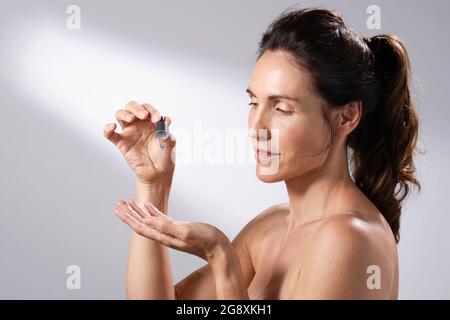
{"x":348,"y":117}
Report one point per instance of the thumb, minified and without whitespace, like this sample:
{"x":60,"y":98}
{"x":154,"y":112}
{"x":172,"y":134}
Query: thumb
{"x":171,"y":141}
{"x":110,"y":133}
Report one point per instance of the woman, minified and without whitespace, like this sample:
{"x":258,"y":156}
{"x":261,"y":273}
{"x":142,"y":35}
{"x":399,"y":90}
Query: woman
{"x":325,"y":96}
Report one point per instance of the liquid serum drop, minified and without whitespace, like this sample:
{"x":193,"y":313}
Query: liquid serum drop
{"x":161,"y":132}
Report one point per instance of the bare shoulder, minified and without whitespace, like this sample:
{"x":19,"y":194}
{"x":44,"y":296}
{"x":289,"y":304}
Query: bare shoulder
{"x":358,"y":232}
{"x":272,"y":214}
{"x":267,"y":219}
{"x":345,"y":249}
{"x":348,"y":231}
{"x":260,"y":224}
{"x":256,"y":230}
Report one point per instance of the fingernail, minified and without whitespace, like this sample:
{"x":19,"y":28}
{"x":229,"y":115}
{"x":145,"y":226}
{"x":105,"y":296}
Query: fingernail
{"x":156,"y":119}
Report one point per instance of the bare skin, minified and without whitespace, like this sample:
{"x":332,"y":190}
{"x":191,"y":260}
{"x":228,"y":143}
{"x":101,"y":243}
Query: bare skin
{"x":319,"y":245}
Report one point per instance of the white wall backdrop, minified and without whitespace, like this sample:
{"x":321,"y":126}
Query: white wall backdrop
{"x":59,"y":177}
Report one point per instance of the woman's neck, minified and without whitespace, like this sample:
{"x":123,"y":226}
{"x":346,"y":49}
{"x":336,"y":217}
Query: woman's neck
{"x":318,"y":193}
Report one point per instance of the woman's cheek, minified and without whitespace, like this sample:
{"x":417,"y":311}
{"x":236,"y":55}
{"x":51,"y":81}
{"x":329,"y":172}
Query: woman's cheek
{"x":292,"y":137}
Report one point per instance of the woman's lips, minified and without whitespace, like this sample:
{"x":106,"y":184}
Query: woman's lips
{"x":262,"y":155}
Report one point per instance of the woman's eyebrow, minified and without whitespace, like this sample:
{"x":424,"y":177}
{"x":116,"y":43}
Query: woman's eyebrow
{"x":250,"y":92}
{"x":275,"y":96}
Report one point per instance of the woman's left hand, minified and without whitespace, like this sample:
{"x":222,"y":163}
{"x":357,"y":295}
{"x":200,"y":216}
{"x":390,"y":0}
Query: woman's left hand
{"x":200,"y":239}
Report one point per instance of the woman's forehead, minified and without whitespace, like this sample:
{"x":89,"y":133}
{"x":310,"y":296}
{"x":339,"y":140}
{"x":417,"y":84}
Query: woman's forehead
{"x":276,"y":72}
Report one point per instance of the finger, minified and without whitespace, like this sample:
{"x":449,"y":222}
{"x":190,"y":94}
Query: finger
{"x":110,"y":133}
{"x":131,"y":220}
{"x":155,"y":114}
{"x":139,"y":227}
{"x":123,"y":211}
{"x":167,"y":120}
{"x":136,"y":109}
{"x":164,"y":226}
{"x":148,"y":232}
{"x":171,"y":141}
{"x":124,"y":117}
{"x":124,"y":206}
{"x":154,"y":211}
{"x":143,"y":212}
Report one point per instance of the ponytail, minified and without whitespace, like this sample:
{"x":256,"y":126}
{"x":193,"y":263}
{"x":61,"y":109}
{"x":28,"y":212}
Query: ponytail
{"x":384,"y":142}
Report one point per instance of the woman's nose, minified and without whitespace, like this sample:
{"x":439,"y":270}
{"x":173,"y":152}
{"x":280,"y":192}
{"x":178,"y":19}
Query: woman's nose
{"x":259,"y":125}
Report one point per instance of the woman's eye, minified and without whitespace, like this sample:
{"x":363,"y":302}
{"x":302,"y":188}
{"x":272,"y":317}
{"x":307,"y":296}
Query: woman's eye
{"x":253,"y":104}
{"x":283,"y":110}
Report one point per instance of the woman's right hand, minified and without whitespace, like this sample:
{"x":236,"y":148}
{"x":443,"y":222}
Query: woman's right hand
{"x":139,"y":146}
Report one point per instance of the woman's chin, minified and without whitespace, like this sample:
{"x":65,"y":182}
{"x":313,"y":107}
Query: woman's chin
{"x":267,"y":174}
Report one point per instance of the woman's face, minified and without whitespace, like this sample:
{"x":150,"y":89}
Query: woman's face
{"x":285,"y":118}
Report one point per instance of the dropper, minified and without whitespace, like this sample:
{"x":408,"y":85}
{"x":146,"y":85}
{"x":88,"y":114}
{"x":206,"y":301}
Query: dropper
{"x":161,"y":132}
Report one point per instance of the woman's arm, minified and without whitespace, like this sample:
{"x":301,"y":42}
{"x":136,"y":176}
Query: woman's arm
{"x":228,"y":276}
{"x":149,"y":274}
{"x":201,"y":284}
{"x":229,"y":270}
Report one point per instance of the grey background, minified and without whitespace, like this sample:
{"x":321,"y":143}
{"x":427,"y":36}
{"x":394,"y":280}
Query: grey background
{"x":192,"y":60}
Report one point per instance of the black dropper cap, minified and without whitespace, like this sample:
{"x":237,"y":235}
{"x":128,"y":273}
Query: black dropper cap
{"x":161,"y":129}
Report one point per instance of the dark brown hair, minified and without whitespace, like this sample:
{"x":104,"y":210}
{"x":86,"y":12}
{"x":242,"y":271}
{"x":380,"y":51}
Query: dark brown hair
{"x":346,"y":67}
